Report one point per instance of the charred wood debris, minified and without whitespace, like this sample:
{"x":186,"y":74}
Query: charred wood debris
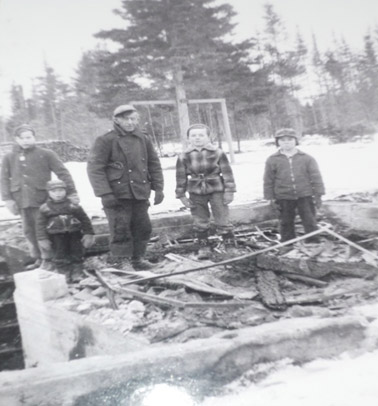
{"x":255,"y":281}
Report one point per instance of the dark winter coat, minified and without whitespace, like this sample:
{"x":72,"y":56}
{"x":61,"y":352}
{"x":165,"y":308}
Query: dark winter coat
{"x":124,"y":164}
{"x":62,"y":217}
{"x":25,"y":172}
{"x":203,"y":171}
{"x":292,"y":177}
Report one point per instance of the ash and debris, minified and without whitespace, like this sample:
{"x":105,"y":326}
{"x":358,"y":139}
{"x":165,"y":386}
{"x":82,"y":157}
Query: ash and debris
{"x":319,"y":279}
{"x":245,"y":293}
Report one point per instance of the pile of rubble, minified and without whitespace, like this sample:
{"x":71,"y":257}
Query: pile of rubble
{"x":256,"y":282}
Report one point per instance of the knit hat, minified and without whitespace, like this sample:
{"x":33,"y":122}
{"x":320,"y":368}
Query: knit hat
{"x":199,"y":125}
{"x":22,"y":128}
{"x":56,"y":184}
{"x":124,"y":108}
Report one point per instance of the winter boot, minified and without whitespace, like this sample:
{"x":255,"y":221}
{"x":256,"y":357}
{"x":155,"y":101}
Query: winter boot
{"x":121,"y":263}
{"x":48,"y":265}
{"x":204,"y":250}
{"x":34,"y":265}
{"x":76,"y":273}
{"x":140,"y":264}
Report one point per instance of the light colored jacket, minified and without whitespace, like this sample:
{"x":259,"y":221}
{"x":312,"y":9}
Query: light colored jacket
{"x":292,"y":178}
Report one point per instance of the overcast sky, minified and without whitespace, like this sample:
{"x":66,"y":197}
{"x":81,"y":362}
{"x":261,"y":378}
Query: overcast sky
{"x":58,"y":31}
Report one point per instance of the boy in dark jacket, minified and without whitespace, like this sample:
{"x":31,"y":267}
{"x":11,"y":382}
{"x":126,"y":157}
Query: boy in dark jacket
{"x":292,"y":181}
{"x":65,"y":229}
{"x":204,"y":172}
{"x":24,"y":174}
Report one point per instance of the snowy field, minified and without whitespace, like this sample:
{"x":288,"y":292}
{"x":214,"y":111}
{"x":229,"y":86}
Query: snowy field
{"x":345,"y":168}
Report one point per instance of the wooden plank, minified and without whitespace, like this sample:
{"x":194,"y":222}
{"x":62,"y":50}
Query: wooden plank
{"x":268,"y":286}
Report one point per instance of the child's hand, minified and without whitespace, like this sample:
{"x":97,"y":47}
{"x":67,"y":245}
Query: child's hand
{"x":318,"y":201}
{"x":187,"y":202}
{"x":88,"y":240}
{"x":228,"y":197}
{"x":45,"y":245}
{"x":74,"y":198}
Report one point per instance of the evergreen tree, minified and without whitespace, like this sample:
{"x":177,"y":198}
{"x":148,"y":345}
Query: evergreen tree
{"x":165,"y":42}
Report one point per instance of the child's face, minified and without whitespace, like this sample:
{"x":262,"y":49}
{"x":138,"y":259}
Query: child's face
{"x":287,"y":143}
{"x":26,"y":139}
{"x":198,"y":137}
{"x":57,"y":194}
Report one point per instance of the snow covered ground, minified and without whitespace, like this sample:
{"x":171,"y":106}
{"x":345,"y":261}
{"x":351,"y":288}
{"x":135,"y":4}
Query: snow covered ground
{"x":346,"y":168}
{"x":347,"y":381}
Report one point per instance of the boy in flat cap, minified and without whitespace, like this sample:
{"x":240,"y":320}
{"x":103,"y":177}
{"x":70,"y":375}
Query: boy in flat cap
{"x":123,"y":168}
{"x":292,"y":181}
{"x":24,"y":174}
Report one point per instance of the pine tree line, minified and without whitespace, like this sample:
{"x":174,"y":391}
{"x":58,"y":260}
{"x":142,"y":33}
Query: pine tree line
{"x":269,"y":80}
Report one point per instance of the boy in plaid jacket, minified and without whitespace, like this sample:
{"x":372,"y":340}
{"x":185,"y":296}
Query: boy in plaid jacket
{"x":204,"y":172}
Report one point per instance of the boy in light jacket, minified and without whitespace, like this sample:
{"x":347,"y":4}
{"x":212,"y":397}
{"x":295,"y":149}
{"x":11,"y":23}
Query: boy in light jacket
{"x":292,"y":182}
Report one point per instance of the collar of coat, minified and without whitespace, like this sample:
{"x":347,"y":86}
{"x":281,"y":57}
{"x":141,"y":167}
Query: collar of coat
{"x":19,"y":150}
{"x":209,"y":147}
{"x":122,"y":133}
{"x":279,"y":153}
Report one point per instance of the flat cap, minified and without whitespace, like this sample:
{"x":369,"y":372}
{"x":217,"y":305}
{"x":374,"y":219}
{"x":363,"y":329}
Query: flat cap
{"x":124,"y":108}
{"x":22,"y":128}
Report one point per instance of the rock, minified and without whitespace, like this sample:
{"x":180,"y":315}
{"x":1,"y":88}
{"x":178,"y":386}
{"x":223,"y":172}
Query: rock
{"x":90,"y":283}
{"x":99,"y":292}
{"x":305,"y":311}
{"x":85,"y":294}
{"x":84,"y":308}
{"x":136,"y":307}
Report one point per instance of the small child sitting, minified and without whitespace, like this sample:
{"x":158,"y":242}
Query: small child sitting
{"x":204,"y":172}
{"x":63,"y":230}
{"x":292,"y":181}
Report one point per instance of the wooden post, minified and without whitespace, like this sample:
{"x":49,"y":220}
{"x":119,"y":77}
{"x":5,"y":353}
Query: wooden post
{"x":182,"y":105}
{"x":227,"y":130}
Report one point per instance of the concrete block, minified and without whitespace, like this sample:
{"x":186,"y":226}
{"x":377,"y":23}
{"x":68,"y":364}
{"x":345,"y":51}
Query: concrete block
{"x":42,"y":284}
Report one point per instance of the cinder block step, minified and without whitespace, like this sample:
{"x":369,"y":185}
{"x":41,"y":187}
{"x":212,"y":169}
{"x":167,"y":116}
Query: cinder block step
{"x":11,"y":358}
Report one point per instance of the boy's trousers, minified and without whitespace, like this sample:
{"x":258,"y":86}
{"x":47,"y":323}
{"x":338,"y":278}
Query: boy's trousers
{"x":287,"y":210}
{"x":130,"y":228}
{"x":201,"y":212}
{"x":67,"y":247}
{"x":29,"y":225}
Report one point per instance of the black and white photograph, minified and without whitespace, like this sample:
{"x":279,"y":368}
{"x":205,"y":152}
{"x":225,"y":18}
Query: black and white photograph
{"x":189,"y":202}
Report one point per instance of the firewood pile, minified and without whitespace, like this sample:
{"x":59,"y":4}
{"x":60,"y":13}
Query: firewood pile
{"x":257,"y":281}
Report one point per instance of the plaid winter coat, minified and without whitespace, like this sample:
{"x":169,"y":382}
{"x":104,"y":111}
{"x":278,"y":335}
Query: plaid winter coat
{"x":203,"y":171}
{"x":292,"y":178}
